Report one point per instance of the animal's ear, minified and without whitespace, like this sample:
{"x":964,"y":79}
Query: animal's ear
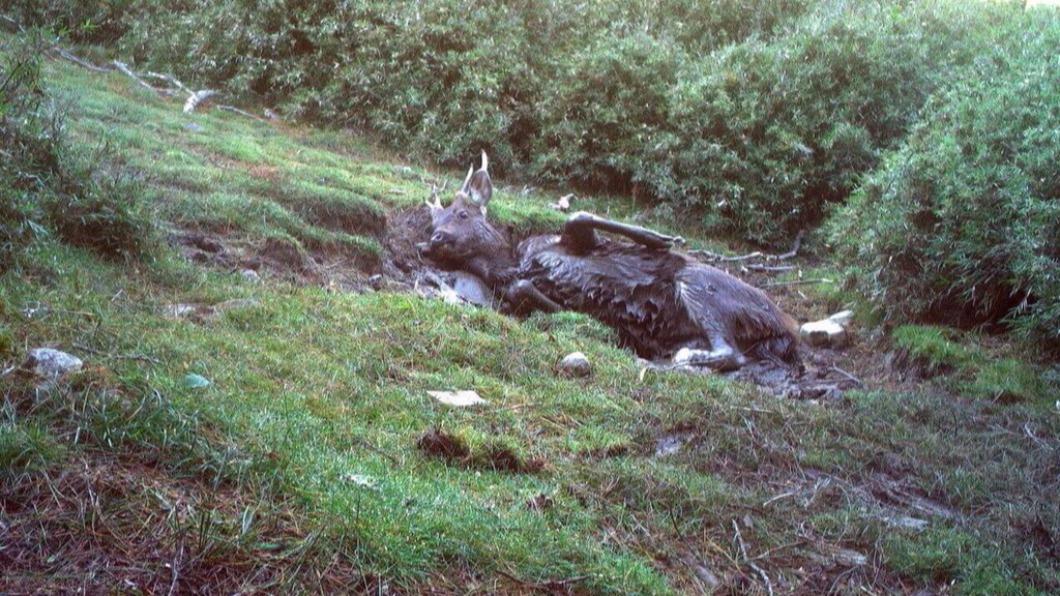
{"x":434,"y":203}
{"x":477,"y":186}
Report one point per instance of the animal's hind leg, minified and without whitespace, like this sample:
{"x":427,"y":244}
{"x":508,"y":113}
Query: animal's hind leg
{"x":698,"y":298}
{"x":579,"y":232}
{"x":721,"y":357}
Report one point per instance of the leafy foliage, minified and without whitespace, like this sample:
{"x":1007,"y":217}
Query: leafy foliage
{"x":757,"y":115}
{"x":44,"y":182}
{"x":962,"y":223}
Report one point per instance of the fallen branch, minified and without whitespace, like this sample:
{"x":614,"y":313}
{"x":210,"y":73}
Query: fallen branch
{"x":169,"y":79}
{"x":796,"y":282}
{"x":140,"y":357}
{"x":236,"y":110}
{"x":848,"y":375}
{"x":65,"y":54}
{"x":124,"y":68}
{"x":770,"y":268}
{"x":14,"y":25}
{"x":196,"y":98}
{"x":747,"y":560}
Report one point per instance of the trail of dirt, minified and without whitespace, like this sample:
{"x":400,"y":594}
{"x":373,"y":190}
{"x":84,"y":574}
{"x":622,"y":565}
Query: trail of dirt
{"x":827,"y":374}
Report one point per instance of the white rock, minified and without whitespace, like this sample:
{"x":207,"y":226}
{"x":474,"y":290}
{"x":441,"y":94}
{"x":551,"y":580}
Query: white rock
{"x":51,"y":364}
{"x":179,"y":310}
{"x":458,"y":399}
{"x":842,"y":317}
{"x":830,"y":332}
{"x":250,"y":275}
{"x":575,"y":364}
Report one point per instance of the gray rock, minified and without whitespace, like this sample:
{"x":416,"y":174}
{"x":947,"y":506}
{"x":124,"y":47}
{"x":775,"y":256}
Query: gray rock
{"x":574,"y":364}
{"x":50,"y":364}
{"x":250,"y":275}
{"x":471,"y":288}
{"x":830,"y":332}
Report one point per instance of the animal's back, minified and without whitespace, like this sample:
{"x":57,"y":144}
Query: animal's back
{"x":659,"y":301}
{"x":630,"y":288}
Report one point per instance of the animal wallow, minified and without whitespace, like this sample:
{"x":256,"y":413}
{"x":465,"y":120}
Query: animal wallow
{"x":662,"y":303}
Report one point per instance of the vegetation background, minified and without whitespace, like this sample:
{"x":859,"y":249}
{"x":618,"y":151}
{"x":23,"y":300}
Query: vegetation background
{"x":917,"y":142}
{"x":758,"y":118}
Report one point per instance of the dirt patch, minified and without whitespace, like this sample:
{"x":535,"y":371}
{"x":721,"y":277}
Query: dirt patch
{"x":439,"y":443}
{"x":103,"y":523}
{"x":270,"y":173}
{"x":503,"y":459}
{"x":319,"y":264}
{"x":454,"y":449}
{"x":405,"y":229}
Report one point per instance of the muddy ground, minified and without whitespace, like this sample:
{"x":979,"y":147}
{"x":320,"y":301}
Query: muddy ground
{"x":827,"y":373}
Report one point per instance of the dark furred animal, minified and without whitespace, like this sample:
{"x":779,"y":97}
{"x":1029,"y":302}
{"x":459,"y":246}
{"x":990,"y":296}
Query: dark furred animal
{"x":662,"y":303}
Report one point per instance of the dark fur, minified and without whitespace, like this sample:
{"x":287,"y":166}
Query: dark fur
{"x":658,"y":300}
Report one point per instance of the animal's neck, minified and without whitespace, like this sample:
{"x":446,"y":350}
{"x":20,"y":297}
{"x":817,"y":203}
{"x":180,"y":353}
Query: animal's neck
{"x":497,"y":270}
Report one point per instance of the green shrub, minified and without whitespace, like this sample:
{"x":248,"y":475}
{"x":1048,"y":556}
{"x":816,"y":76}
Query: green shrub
{"x":46,"y":185}
{"x":28,"y":129}
{"x":770,"y":134}
{"x":89,"y":21}
{"x":961,"y":224}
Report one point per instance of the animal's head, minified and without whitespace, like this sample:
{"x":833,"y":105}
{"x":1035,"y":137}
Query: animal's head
{"x":461,"y":232}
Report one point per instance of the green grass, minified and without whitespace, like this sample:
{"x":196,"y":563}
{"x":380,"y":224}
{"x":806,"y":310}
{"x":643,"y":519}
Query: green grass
{"x":317,"y":400}
{"x":971,"y":368}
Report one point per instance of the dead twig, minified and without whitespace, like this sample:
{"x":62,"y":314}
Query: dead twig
{"x":748,"y":561}
{"x":124,"y":68}
{"x":781,"y":496}
{"x":236,"y":110}
{"x":12,"y":23}
{"x":196,"y":98}
{"x":770,"y":268}
{"x":848,"y":376}
{"x":67,"y":55}
{"x":796,"y":282}
{"x":140,"y":357}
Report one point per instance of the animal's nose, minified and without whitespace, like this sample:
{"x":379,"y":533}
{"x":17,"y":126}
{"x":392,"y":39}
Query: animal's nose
{"x":439,"y":238}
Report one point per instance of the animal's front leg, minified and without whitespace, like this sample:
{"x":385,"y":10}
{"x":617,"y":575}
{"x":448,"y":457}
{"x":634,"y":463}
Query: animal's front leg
{"x":524,"y":296}
{"x":579,"y":232}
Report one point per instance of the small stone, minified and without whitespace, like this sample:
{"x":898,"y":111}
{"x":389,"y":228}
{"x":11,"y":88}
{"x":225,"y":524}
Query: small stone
{"x":669,"y":445}
{"x":705,"y":575}
{"x":575,"y":364}
{"x":842,"y":317}
{"x":250,"y":275}
{"x":179,"y":310}
{"x":194,"y":381}
{"x":458,"y":399}
{"x":51,"y":364}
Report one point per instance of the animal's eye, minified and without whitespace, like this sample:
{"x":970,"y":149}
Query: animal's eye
{"x":462,"y":214}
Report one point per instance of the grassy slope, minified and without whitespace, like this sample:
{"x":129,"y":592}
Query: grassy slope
{"x":318,"y":399}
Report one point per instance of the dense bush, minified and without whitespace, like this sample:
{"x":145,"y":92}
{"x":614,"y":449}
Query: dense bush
{"x":759,"y":115}
{"x":962,"y":223}
{"x":45,"y":185}
{"x":770,"y":134}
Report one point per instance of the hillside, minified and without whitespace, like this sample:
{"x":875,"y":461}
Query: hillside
{"x":272,"y":431}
